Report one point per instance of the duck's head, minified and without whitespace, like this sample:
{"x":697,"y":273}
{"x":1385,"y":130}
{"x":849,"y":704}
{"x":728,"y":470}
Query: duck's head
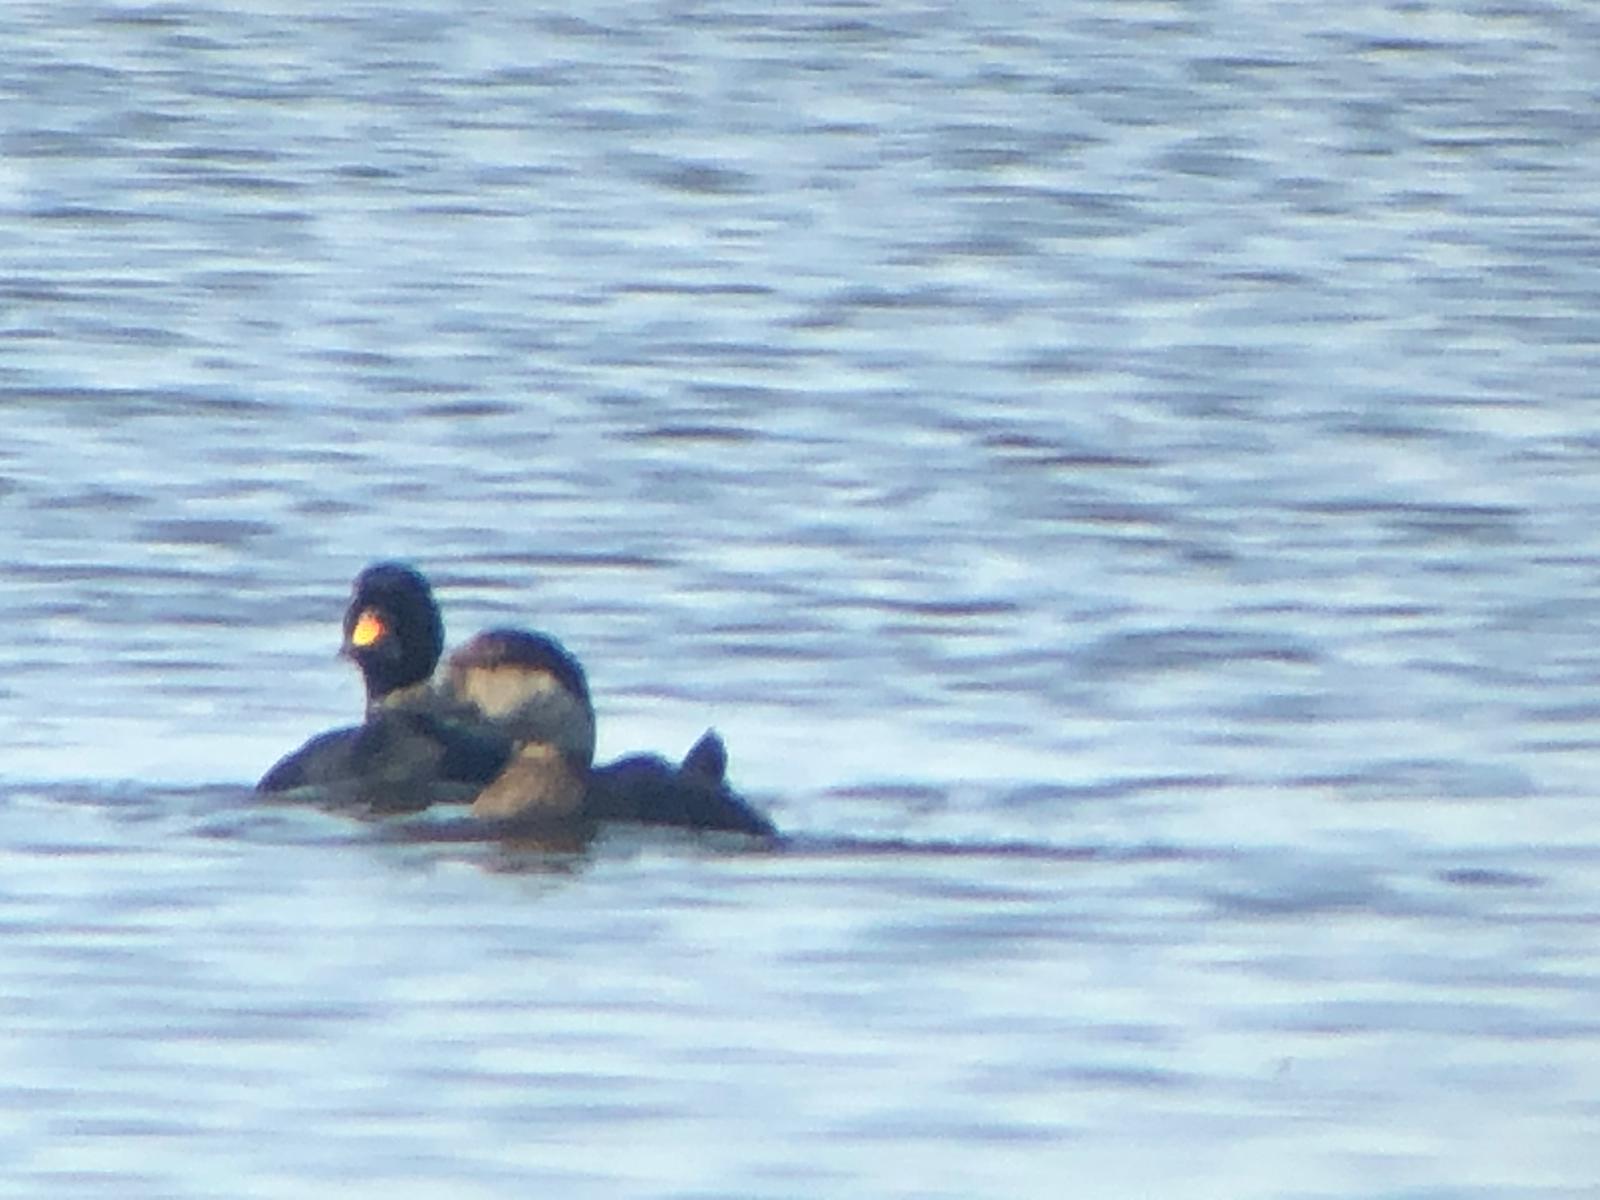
{"x":392,"y":629}
{"x":528,"y":685}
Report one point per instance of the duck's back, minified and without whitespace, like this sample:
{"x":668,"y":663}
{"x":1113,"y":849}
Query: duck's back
{"x":648,"y":789}
{"x":399,"y":759}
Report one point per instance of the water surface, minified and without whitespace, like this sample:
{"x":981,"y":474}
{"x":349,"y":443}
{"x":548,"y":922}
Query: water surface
{"x":1120,"y":477}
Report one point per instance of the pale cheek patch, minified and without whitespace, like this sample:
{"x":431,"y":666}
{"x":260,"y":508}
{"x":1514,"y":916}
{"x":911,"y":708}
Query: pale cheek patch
{"x":499,"y":691}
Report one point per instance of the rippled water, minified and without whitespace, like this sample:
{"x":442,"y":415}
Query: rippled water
{"x":1122,"y":477}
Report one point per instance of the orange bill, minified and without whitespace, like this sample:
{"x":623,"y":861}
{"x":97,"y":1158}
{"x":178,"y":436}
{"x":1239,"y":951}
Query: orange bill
{"x":368,"y":629}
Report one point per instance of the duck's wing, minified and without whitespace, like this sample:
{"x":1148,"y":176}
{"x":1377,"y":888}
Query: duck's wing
{"x":649,"y":789}
{"x":324,"y":758}
{"x":398,"y":760}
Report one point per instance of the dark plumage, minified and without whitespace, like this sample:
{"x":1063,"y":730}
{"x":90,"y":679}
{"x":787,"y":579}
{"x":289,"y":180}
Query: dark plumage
{"x":413,"y":745}
{"x":397,"y":760}
{"x":510,"y":728}
{"x":647,"y":788}
{"x":392,"y":630}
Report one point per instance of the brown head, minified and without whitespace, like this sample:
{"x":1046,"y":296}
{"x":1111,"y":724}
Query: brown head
{"x":529,"y":686}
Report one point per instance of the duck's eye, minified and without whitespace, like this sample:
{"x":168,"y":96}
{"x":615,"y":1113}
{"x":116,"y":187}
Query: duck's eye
{"x":369,"y":627}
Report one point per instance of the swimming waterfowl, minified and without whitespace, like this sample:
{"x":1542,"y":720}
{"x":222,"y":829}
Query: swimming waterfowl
{"x":542,"y":785}
{"x":694,"y":794}
{"x":536,"y":693}
{"x":510,"y":728}
{"x":413,"y":748}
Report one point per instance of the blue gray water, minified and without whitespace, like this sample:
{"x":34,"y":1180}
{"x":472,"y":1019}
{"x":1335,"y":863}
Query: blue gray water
{"x":1122,"y":478}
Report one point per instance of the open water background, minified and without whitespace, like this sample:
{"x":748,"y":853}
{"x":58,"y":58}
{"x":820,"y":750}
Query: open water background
{"x":1122,"y":477}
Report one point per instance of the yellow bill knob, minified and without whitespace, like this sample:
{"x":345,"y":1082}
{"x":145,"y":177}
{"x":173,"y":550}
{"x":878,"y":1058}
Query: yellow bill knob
{"x":368,"y":629}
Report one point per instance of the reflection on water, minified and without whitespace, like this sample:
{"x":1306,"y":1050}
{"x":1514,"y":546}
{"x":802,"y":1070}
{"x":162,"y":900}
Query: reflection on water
{"x":1121,"y":480}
